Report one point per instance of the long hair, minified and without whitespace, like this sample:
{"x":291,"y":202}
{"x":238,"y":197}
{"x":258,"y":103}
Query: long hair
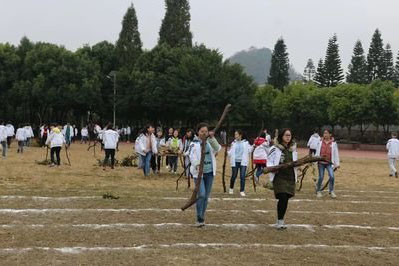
{"x":281,"y":134}
{"x":145,"y":129}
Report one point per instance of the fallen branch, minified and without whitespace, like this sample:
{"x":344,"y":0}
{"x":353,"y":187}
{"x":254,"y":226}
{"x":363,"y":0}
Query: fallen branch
{"x":300,"y":162}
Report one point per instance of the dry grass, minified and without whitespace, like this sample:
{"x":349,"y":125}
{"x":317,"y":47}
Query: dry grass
{"x":153,"y":201}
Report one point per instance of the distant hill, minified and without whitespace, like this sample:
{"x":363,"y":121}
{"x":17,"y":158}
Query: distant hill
{"x":256,"y":63}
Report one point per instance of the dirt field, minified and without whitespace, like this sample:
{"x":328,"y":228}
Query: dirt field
{"x":57,"y":216}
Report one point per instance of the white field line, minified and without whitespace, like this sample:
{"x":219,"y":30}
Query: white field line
{"x":12,"y":197}
{"x":80,"y":249}
{"x":310,"y":227}
{"x":157,"y":210}
{"x":292,"y":200}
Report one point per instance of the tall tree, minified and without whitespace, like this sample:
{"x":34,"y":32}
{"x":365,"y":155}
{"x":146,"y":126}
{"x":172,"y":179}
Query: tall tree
{"x":396,"y":77}
{"x":388,"y":73}
{"x":310,"y":71}
{"x":129,"y":45}
{"x":175,"y":28}
{"x":332,"y":64}
{"x":279,"y":76}
{"x":375,"y":57}
{"x":358,"y":66}
{"x":320,"y":76}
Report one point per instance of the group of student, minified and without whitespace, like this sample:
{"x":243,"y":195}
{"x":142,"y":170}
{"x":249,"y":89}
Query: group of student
{"x":265,"y":153}
{"x":149,"y":144}
{"x":23,"y":135}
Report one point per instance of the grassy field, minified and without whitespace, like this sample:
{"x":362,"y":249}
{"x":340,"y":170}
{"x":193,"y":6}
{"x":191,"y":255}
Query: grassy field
{"x":57,"y":216}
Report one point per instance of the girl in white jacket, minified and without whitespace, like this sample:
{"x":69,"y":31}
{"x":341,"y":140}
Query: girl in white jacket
{"x":327,"y":148}
{"x":239,"y":154}
{"x":211,"y":149}
{"x":146,"y":146}
{"x":393,"y":153}
{"x":110,"y":141}
{"x":21,"y":137}
{"x":55,"y":140}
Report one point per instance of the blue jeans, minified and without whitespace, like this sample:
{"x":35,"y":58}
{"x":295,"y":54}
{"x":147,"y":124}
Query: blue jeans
{"x":330,"y":170}
{"x":145,"y":163}
{"x":243,"y":170}
{"x":203,"y":196}
{"x":259,"y":170}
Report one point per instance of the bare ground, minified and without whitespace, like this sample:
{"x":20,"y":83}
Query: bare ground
{"x":60,"y":217}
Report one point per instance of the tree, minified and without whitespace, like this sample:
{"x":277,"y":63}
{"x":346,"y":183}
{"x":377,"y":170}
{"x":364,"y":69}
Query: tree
{"x":332,"y":64}
{"x":389,"y":70}
{"x":384,"y":105}
{"x":175,"y":28}
{"x":320,"y":76}
{"x":396,"y":75}
{"x":375,"y":57}
{"x":310,"y":71}
{"x":128,"y":46}
{"x":103,"y":54}
{"x":358,"y":66}
{"x":278,"y":76}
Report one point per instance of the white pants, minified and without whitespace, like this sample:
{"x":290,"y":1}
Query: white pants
{"x":392,"y":164}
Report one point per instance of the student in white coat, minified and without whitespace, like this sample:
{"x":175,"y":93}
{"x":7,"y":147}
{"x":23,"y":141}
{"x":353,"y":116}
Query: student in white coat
{"x":393,"y":153}
{"x":55,"y":141}
{"x":313,"y":142}
{"x":312,"y":145}
{"x":146,"y":146}
{"x":209,"y":171}
{"x":3,"y":138}
{"x":239,"y":154}
{"x":110,"y":140}
{"x":29,"y":134}
{"x":84,"y":132}
{"x":21,"y":137}
{"x":10,"y":133}
{"x":327,"y":148}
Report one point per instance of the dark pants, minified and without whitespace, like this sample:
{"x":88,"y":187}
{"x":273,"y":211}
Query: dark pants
{"x":9,"y":139}
{"x":243,"y":170}
{"x":56,"y":151}
{"x":312,"y":152}
{"x":282,"y":204}
{"x":156,"y":163}
{"x":43,"y":141}
{"x":109,"y":153}
{"x":173,"y":163}
{"x":21,"y":146}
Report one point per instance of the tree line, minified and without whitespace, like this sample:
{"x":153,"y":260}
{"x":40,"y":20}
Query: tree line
{"x":178,"y":83}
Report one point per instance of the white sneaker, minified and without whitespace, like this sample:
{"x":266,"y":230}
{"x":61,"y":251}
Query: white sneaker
{"x":319,"y":194}
{"x":198,"y":224}
{"x":231,"y":191}
{"x":332,"y":194}
{"x":242,"y":193}
{"x":167,"y":167}
{"x":280,"y":225}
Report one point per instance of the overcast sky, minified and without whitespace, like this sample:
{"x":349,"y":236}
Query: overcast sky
{"x":228,"y":25}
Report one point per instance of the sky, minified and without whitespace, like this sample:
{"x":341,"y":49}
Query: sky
{"x":227,"y":25}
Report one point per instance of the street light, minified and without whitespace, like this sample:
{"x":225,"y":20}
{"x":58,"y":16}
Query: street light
{"x":113,"y":75}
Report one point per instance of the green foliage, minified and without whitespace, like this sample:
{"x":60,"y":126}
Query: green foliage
{"x":332,"y":64}
{"x":128,"y":47}
{"x":358,"y":66}
{"x":278,"y":76}
{"x":375,"y":57}
{"x":175,"y":29}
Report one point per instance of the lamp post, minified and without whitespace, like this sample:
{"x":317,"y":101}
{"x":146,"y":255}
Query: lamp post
{"x":112,"y":74}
